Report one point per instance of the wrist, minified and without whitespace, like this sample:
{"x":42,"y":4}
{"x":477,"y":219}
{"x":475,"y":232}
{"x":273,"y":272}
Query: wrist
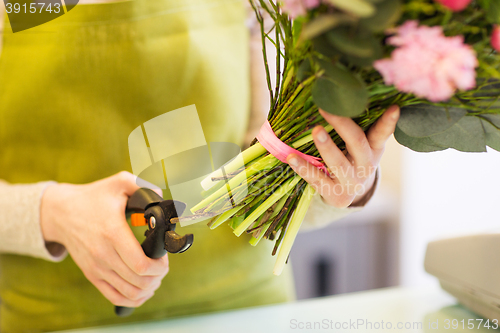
{"x":49,"y":212}
{"x":362,"y":198}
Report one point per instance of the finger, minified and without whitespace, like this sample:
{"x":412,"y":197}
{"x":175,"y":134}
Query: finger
{"x":165,"y":263}
{"x":383,"y":128}
{"x":141,"y":282}
{"x":331,"y":191}
{"x":355,"y":139}
{"x":331,"y":154}
{"x":115,"y":297}
{"x":128,"y":290}
{"x":129,"y":250}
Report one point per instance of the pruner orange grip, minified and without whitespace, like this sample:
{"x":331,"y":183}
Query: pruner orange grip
{"x":138,"y":220}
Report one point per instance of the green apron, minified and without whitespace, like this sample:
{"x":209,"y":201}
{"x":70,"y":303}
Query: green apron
{"x":71,"y":92}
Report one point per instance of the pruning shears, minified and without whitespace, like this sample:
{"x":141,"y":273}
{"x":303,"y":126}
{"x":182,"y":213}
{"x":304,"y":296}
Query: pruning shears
{"x":161,"y":216}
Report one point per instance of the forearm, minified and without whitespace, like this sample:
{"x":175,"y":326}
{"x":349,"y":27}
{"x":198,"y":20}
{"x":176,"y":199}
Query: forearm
{"x":20,"y":231}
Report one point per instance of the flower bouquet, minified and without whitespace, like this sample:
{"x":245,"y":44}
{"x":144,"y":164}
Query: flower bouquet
{"x":436,"y":59}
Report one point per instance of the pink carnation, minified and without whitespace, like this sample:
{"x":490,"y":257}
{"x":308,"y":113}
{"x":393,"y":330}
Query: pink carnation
{"x":311,"y":3}
{"x":495,"y":38}
{"x":296,"y":8}
{"x":455,"y":5}
{"x":427,"y":63}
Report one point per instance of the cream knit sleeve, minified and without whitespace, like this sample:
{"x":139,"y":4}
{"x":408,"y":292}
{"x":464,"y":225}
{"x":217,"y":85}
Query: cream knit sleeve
{"x":20,"y":231}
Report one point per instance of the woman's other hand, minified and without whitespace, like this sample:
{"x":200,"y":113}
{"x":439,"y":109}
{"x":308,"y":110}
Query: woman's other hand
{"x":352,"y":172}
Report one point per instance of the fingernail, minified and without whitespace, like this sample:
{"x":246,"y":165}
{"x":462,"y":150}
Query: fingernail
{"x":293,"y":161}
{"x":327,"y":114}
{"x":395,"y":114}
{"x":322,"y":136}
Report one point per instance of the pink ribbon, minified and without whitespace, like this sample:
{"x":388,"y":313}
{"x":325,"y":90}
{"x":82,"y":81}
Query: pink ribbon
{"x":281,"y":150}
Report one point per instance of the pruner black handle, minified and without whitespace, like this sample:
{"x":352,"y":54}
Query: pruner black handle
{"x":160,"y":236}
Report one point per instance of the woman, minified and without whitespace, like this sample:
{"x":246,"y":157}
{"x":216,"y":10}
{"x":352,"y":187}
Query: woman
{"x":73,"y":89}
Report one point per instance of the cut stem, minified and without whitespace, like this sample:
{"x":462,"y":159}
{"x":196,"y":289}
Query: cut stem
{"x":225,"y":216}
{"x":280,"y":192}
{"x":239,"y":161}
{"x":293,"y":229}
{"x":264,"y":164}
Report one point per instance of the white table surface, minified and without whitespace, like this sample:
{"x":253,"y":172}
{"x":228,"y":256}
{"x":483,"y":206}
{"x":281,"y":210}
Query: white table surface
{"x":421,"y":310}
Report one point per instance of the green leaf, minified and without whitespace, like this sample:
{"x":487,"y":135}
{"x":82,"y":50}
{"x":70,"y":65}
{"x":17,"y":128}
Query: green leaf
{"x":492,"y":118}
{"x":358,"y":61}
{"x":340,"y":75}
{"x":465,"y":135}
{"x":356,"y":44}
{"x":492,"y":135}
{"x":424,"y":120}
{"x":309,"y":103}
{"x":304,"y":70}
{"x":358,"y":8}
{"x":484,"y":3}
{"x":323,"y":46}
{"x":493,"y":12}
{"x":339,"y":91}
{"x":298,"y":23}
{"x":422,"y":145}
{"x":380,"y":89}
{"x":322,"y":24}
{"x":387,"y":13}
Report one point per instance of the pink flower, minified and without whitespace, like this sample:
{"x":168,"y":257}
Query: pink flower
{"x":311,"y":3}
{"x":427,"y":63}
{"x":495,"y":38}
{"x":455,"y":5}
{"x":296,"y":8}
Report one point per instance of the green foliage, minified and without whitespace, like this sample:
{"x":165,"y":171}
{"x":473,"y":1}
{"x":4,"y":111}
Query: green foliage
{"x":339,"y":91}
{"x":492,"y":9}
{"x":465,"y":135}
{"x":323,"y":23}
{"x":329,"y":53}
{"x":304,"y":70}
{"x":493,"y":118}
{"x":352,"y":43}
{"x":492,"y":134}
{"x":436,"y":128}
{"x":421,"y":145}
{"x":387,"y":13}
{"x":425,"y":120}
{"x":359,"y":8}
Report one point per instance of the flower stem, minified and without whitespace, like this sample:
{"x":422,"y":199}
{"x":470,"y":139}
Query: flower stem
{"x":280,"y":192}
{"x":293,"y":229}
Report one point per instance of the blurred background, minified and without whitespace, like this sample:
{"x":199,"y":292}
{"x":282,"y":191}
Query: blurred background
{"x":422,"y":197}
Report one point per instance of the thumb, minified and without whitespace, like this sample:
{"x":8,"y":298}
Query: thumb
{"x":126,"y":181}
{"x":131,"y":183}
{"x":144,"y":183}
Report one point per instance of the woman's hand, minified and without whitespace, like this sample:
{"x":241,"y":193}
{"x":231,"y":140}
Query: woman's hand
{"x":352,"y":173}
{"x":89,"y":220}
